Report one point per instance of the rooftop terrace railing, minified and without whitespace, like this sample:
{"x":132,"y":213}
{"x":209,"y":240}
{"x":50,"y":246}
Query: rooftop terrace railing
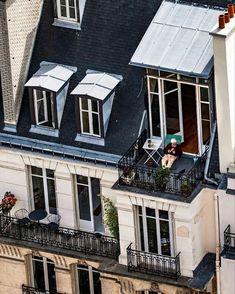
{"x":144,"y":177}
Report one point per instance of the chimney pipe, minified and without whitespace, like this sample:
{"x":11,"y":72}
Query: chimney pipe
{"x":222,"y":21}
{"x":231,"y":10}
{"x":227,"y":18}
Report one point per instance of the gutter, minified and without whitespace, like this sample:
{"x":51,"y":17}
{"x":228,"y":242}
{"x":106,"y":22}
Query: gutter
{"x":217,"y":236}
{"x":210,"y":180}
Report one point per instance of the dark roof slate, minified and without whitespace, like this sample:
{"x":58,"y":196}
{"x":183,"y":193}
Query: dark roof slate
{"x":111,"y":31}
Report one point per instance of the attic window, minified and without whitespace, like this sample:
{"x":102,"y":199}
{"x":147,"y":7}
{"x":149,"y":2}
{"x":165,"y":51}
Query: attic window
{"x":68,"y":10}
{"x":93,"y":104}
{"x":48,"y":89}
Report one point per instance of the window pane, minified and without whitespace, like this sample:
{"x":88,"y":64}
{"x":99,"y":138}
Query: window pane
{"x":141,"y":233}
{"x":94,"y":105}
{"x":72,"y":12}
{"x":38,"y":272}
{"x":63,"y":11}
{"x":205,"y":111}
{"x":71,"y":3}
{"x":152,"y":235}
{"x":83,"y":279}
{"x":38,"y":192}
{"x":165,"y":237}
{"x":36,"y":170}
{"x":96,"y":283}
{"x":155,"y":112}
{"x":84,"y":103}
{"x":85,"y":122}
{"x":84,"y":202}
{"x":82,"y":179}
{"x":205,"y":131}
{"x":51,"y":276}
{"x":51,"y":196}
{"x":150,"y":212}
{"x":39,"y":94}
{"x":50,"y":173}
{"x":163,"y":214}
{"x":96,"y":129}
{"x":41,"y":111}
{"x":204,"y":94}
{"x":63,"y":2}
{"x":153,"y":83}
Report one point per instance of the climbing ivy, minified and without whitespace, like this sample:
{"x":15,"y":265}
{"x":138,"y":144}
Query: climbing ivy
{"x":111,"y":217}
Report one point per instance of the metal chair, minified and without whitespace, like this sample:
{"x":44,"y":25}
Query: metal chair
{"x":22,"y":215}
{"x":53,"y":222}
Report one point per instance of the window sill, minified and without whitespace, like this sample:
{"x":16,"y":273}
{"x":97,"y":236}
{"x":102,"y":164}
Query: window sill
{"x":44,"y":131}
{"x":90,"y":140}
{"x":66,"y":24}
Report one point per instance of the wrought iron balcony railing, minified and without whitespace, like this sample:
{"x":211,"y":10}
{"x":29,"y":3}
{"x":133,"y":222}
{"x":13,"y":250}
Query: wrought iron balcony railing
{"x":152,"y":263}
{"x":32,"y":290}
{"x":229,"y":241}
{"x":64,"y":238}
{"x":134,"y":174}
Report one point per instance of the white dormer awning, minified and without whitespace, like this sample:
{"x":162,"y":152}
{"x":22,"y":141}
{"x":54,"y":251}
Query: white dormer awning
{"x":178,"y":40}
{"x":51,"y":76}
{"x":97,"y":84}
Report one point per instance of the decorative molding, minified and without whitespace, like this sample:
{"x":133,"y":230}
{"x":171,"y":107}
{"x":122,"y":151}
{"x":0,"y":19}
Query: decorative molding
{"x":10,"y":251}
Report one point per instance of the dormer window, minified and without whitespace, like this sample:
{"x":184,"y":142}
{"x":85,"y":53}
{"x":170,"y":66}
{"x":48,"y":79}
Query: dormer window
{"x":48,"y":89}
{"x":68,"y":13}
{"x":68,"y":10}
{"x":44,"y":108}
{"x":93,"y":104}
{"x":90,"y":117}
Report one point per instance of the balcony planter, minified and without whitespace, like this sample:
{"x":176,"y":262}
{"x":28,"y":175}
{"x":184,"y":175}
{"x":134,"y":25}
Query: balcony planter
{"x":128,"y":175}
{"x":162,"y":177}
{"x":185,"y":188}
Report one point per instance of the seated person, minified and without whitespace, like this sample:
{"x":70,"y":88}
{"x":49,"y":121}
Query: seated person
{"x":171,"y":151}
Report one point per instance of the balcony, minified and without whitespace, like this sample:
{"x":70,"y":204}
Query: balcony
{"x":229,"y":242}
{"x":152,"y":263}
{"x":62,"y":238}
{"x":184,"y":177}
{"x":32,"y":290}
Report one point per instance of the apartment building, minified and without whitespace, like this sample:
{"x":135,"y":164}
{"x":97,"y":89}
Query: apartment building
{"x":87,"y":88}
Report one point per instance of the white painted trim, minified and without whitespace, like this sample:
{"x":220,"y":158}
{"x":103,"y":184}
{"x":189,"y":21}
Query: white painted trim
{"x":41,"y":130}
{"x":66,"y":24}
{"x":90,"y":140}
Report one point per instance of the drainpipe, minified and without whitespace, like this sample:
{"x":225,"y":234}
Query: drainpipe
{"x":209,"y":157}
{"x":217,"y":236}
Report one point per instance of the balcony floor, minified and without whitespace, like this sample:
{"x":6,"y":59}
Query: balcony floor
{"x":181,"y":165}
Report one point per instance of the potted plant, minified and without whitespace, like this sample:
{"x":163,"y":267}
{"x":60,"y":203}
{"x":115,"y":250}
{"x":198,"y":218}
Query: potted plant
{"x":111,"y":217}
{"x":161,"y":178}
{"x":128,"y":175}
{"x":185,"y":187}
{"x":8,"y":202}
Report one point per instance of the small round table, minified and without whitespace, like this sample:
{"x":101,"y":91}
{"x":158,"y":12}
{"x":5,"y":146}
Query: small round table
{"x":37,"y":214}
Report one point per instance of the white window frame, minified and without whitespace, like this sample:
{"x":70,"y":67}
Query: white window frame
{"x":157,"y":220}
{"x":45,"y":187}
{"x":90,"y":118}
{"x":44,"y":99}
{"x":67,"y":11}
{"x":36,"y":101}
{"x":160,"y":94}
{"x":90,"y":271}
{"x":45,"y":261}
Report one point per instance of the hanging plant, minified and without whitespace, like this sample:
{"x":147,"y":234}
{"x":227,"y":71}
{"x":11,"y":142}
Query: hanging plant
{"x":8,"y":202}
{"x":111,"y":217}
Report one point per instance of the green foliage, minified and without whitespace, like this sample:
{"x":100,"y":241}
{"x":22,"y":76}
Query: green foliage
{"x":162,"y":176}
{"x":111,"y":217}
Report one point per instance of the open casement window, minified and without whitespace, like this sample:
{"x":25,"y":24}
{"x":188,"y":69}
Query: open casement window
{"x":90,"y":117}
{"x":44,"y":108}
{"x":88,"y":203}
{"x":43,"y":189}
{"x":68,"y":10}
{"x":88,"y":280}
{"x":43,"y":274}
{"x":154,"y":231}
